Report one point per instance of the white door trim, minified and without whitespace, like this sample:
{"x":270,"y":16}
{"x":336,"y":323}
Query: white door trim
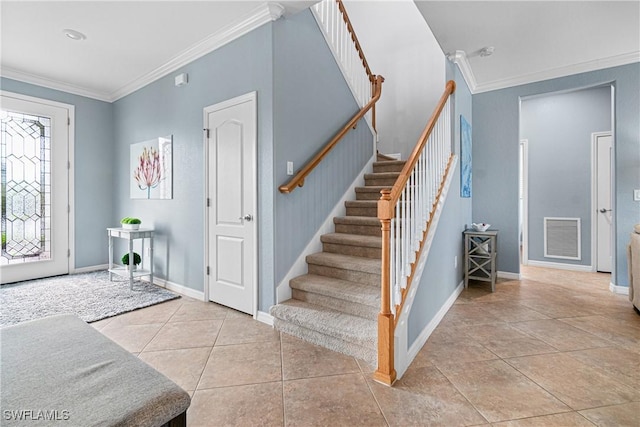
{"x":71,"y":109}
{"x":524,"y":146}
{"x":251,"y":96}
{"x":594,"y":197}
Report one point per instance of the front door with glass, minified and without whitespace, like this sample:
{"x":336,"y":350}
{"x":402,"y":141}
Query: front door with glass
{"x":34,"y":161}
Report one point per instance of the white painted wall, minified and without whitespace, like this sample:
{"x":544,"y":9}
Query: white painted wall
{"x":400,"y":46}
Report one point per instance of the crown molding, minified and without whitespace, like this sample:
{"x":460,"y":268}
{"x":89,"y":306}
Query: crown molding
{"x":21,"y":76}
{"x":584,"y":67}
{"x":266,"y":12}
{"x":459,"y":57}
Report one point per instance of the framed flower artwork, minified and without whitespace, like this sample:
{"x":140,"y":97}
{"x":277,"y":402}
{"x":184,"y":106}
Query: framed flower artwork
{"x":151,"y":169}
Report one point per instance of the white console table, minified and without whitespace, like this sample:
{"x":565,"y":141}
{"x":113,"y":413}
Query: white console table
{"x":130,"y":236}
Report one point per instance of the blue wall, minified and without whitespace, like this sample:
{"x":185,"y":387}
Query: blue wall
{"x":312,"y":102}
{"x":558,"y":128}
{"x":93,"y":171}
{"x":440,"y":277}
{"x":159,"y":109}
{"x":495,"y":157}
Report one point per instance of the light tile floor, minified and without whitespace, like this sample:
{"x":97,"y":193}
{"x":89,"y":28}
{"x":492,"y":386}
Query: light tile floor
{"x":553,"y":349}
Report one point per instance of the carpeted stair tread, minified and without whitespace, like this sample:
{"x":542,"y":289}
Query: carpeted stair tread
{"x":346,"y":327}
{"x":388,"y":166}
{"x":361,"y":203}
{"x":355,"y":224}
{"x":367,"y":354}
{"x":339,"y":289}
{"x":370,"y":192}
{"x":383,"y":157}
{"x":352,"y":240}
{"x":381,"y":175}
{"x":357,"y":220}
{"x":345,"y":262}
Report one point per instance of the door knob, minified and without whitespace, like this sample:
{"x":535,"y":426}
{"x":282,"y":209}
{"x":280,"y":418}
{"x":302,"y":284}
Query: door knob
{"x":247,"y":217}
{"x":603,"y":210}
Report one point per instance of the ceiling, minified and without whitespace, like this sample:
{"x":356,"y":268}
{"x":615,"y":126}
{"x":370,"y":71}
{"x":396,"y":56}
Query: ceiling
{"x":534,"y":40}
{"x":131,"y":43}
{"x":128,"y":43}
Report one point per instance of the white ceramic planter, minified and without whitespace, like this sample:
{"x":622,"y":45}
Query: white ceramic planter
{"x":131,"y":226}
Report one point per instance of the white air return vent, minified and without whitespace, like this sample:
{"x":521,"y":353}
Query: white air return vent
{"x":562,"y":238}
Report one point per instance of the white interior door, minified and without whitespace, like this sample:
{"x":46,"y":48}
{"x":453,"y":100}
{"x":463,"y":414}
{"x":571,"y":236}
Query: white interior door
{"x":604,"y":233}
{"x":35,"y":188}
{"x":231,"y":192}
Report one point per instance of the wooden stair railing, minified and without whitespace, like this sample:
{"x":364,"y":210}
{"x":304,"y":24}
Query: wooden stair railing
{"x":406,"y":212}
{"x":298,"y":178}
{"x":332,"y":15}
{"x":336,"y":26}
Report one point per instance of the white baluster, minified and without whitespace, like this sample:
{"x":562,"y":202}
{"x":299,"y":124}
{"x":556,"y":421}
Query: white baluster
{"x":406,"y":268}
{"x":398,"y":241}
{"x":392,"y":256}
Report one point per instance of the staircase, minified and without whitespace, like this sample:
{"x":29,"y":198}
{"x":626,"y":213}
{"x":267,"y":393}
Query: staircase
{"x":336,"y":304}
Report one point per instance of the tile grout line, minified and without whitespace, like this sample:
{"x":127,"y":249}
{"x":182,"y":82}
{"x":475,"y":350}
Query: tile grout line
{"x":163,"y":325}
{"x":210,"y":355}
{"x":366,"y":377}
{"x":284,"y":411}
{"x":461,"y":393}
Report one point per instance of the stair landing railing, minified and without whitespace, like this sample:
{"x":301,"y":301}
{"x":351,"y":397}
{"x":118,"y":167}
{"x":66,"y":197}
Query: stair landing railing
{"x":367,"y":87}
{"x":406,"y":212}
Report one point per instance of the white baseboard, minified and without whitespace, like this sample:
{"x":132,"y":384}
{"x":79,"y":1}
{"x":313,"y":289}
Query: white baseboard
{"x":299,"y":267}
{"x":181,"y":289}
{"x":560,"y":266}
{"x":89,"y":269}
{"x":621,"y":290}
{"x":431,"y":326}
{"x":509,"y":275}
{"x":265,"y":318}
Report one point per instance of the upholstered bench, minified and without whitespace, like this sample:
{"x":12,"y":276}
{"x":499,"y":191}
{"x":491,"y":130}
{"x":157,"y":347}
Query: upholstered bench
{"x":61,"y":371}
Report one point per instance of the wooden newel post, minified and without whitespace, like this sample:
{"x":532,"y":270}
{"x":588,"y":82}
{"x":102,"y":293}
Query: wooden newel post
{"x":385,"y":373}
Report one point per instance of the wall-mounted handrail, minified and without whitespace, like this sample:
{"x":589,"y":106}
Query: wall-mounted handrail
{"x":298,"y":179}
{"x":406,"y":212}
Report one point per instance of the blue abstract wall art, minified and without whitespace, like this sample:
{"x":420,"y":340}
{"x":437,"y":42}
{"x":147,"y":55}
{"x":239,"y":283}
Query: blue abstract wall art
{"x":465,"y":158}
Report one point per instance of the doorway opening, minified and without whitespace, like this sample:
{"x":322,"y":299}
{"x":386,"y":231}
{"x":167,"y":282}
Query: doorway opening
{"x":566,"y":171}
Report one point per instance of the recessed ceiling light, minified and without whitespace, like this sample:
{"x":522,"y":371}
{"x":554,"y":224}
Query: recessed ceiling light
{"x":73,"y":34}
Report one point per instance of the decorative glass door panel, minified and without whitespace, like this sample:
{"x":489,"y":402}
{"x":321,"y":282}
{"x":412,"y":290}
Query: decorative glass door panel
{"x":26,"y":189}
{"x":34,"y":153}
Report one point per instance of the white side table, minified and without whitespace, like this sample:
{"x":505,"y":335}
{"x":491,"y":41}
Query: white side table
{"x":130,"y":236}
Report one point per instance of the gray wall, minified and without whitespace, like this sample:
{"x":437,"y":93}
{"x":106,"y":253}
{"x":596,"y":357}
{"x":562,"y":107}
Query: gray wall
{"x":93,"y":182}
{"x":312,"y":102}
{"x":558,"y":128}
{"x":160,"y":108}
{"x":440,"y":277}
{"x":400,"y":46}
{"x":495,"y":157}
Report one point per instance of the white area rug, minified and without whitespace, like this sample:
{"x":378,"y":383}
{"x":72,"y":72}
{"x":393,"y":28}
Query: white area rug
{"x":91,"y":296}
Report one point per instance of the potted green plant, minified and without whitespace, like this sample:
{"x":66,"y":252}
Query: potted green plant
{"x":136,"y":261}
{"x":130,"y":223}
